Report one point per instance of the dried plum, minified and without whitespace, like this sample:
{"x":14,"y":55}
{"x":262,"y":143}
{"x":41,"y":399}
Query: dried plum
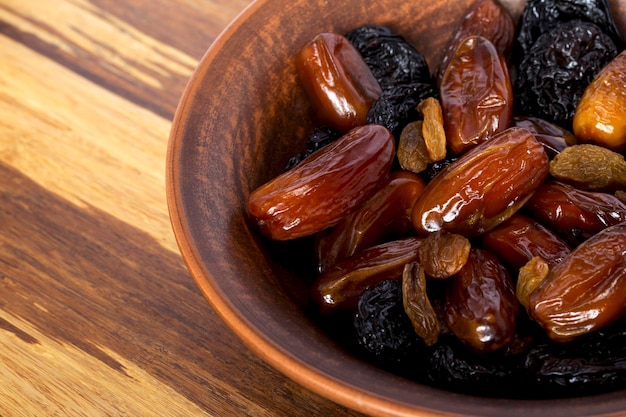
{"x":397,"y":105}
{"x":391,"y":58}
{"x":540,"y":16}
{"x":320,"y":137}
{"x":553,"y":75}
{"x":382,"y":328}
{"x":591,"y":364}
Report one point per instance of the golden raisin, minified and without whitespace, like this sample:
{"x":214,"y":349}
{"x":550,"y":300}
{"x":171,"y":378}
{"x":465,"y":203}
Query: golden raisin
{"x":432,"y":128}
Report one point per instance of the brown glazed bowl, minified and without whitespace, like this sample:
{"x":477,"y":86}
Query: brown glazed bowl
{"x":234,"y":130}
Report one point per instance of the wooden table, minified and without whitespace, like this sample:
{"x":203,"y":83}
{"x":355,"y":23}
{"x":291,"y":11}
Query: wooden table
{"x":98,"y":314}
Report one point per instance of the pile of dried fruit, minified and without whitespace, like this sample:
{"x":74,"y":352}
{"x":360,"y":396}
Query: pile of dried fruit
{"x":470,"y":226}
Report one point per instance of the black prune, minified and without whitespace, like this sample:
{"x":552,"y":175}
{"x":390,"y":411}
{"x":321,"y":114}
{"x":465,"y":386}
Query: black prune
{"x":591,"y":364}
{"x":454,"y":367}
{"x":320,"y":137}
{"x":397,"y":105}
{"x":391,"y":58}
{"x":382,"y":328}
{"x":436,"y":167}
{"x":558,"y":67}
{"x":541,"y":16}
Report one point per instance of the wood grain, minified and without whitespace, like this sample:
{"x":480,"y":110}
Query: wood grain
{"x":98,"y":314}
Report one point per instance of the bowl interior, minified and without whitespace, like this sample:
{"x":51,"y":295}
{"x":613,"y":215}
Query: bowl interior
{"x":241,"y":117}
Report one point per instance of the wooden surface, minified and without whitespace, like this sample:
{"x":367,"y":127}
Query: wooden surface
{"x":98,"y":314}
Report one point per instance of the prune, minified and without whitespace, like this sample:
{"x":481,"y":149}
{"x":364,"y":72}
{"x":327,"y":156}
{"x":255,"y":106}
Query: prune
{"x":397,"y":105}
{"x":382,"y":328}
{"x":391,"y":58}
{"x":326,"y":187}
{"x":452,"y":366}
{"x":599,"y":117}
{"x":540,"y":16}
{"x":591,"y":364}
{"x":557,"y":69}
{"x":320,"y":137}
{"x":337,"y":81}
{"x":436,"y":167}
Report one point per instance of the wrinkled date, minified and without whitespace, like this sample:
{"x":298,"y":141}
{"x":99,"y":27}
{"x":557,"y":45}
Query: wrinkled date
{"x":484,"y":187}
{"x":599,"y":117}
{"x":339,"y":83}
{"x":480,"y":304}
{"x":325,"y":187}
{"x":387,"y":215}
{"x":585,"y":292}
{"x":521,"y":238}
{"x":575,"y":214}
{"x":476,"y":78}
{"x":486,"y":18}
{"x":341,"y":285}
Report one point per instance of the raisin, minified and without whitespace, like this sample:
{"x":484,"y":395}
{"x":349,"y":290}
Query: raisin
{"x":320,"y":137}
{"x":382,"y":329}
{"x":554,"y":74}
{"x":397,"y":105}
{"x":540,"y":16}
{"x":391,"y":58}
{"x":417,"y":304}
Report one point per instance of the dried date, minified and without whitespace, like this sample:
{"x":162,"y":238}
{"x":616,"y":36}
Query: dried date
{"x":484,"y":187}
{"x":481,"y":307}
{"x":385,"y":216}
{"x":575,"y":214}
{"x":585,"y":292}
{"x":599,"y":117}
{"x":326,"y":187}
{"x":476,"y":78}
{"x":521,"y":238}
{"x":554,"y":138}
{"x":337,"y":80}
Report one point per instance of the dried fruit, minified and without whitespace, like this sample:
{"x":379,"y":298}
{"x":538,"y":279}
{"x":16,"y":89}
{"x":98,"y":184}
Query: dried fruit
{"x":412,"y":151}
{"x":484,"y":187}
{"x":599,"y":117}
{"x":540,"y":16}
{"x":339,"y":83}
{"x":521,"y":238}
{"x":443,"y":254}
{"x":325,"y":187}
{"x":486,"y":18}
{"x":530,"y":276}
{"x":590,"y":167}
{"x":480,"y":303}
{"x":385,"y":216}
{"x":554,"y":73}
{"x":397,"y":105}
{"x":381,"y":327}
{"x":476,"y":78}
{"x":432,"y":128}
{"x":320,"y":137}
{"x":554,"y":138}
{"x":587,"y":291}
{"x":341,"y":285}
{"x":391,"y":58}
{"x":417,"y":304}
{"x":575,"y":214}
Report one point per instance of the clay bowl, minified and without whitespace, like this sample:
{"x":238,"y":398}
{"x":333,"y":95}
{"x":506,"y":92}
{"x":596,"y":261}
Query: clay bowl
{"x":234,"y":130}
